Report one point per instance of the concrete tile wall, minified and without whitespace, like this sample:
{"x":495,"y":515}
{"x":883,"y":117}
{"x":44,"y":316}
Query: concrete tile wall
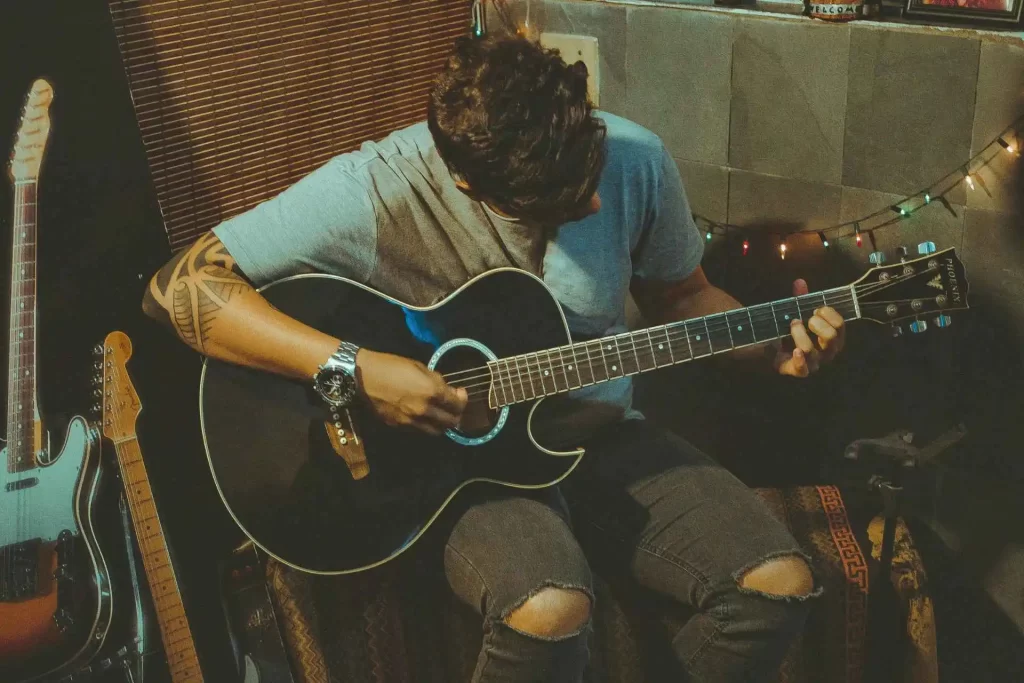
{"x":784,"y":122}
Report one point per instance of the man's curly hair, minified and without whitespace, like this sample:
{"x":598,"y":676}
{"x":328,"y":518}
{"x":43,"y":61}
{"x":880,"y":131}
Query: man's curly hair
{"x":513,"y":121}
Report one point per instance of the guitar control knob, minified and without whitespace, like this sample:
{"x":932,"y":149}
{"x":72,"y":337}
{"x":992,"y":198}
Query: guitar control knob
{"x":918,"y":326}
{"x":943,"y":321}
{"x":877,"y":257}
{"x":925,"y":248}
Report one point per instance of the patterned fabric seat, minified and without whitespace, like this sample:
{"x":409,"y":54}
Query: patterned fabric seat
{"x":394,"y":626}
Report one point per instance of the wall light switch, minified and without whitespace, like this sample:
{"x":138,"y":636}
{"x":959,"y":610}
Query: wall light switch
{"x":575,"y":49}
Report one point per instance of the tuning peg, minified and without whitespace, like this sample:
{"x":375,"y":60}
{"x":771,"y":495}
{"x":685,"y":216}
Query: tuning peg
{"x":876,"y":257}
{"x":902,"y":251}
{"x":918,"y":326}
{"x":925,"y":248}
{"x":943,"y":321}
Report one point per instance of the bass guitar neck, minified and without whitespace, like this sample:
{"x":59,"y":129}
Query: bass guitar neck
{"x":121,"y":407}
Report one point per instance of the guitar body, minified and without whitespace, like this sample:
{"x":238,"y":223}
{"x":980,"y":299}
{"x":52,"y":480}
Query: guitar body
{"x":290,"y":491}
{"x":55,"y":606}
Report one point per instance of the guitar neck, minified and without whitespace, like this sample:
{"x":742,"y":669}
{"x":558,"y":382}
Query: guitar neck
{"x":23,"y":439}
{"x":175,"y":632}
{"x":553,"y":371}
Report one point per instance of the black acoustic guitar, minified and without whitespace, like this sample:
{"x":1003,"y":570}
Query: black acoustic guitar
{"x":339,"y":493}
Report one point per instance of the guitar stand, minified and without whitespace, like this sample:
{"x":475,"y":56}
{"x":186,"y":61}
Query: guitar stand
{"x":892,"y":459}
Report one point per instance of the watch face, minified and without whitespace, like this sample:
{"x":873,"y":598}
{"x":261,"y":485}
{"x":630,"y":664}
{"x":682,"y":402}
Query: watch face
{"x":336,"y":386}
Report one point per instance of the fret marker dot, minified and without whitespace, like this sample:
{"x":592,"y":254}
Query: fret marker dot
{"x":698,"y":337}
{"x":739,"y":328}
{"x":26,"y":373}
{"x":570,"y":367}
{"x":21,"y":335}
{"x":786,"y":316}
{"x":23,"y":304}
{"x":661,"y":346}
{"x":24,"y":234}
{"x":609,"y":347}
{"x":546,"y":373}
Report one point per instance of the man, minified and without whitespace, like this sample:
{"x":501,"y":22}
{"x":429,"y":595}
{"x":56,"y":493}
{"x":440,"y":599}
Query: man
{"x":513,"y":168}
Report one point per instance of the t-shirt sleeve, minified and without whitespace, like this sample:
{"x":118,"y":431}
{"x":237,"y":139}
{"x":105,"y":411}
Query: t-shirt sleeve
{"x":671,"y":247}
{"x":324,"y":223}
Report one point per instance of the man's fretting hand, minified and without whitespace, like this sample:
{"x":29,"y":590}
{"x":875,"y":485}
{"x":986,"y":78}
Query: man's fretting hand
{"x":799,"y":355}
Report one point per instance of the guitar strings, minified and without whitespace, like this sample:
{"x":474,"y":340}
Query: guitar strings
{"x":534,"y":370}
{"x":713,"y":327}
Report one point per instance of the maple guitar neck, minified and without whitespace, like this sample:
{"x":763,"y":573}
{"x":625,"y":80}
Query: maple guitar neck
{"x":120,"y":408}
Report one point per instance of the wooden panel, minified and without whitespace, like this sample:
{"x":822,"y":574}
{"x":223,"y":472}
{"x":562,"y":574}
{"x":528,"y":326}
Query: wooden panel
{"x":238,"y":100}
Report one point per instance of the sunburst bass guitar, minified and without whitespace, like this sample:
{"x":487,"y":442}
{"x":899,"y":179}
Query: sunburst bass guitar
{"x":55,"y":600}
{"x":338,"y":493}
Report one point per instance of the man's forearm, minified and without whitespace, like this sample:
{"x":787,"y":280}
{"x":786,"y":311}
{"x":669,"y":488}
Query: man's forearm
{"x":202,"y":296}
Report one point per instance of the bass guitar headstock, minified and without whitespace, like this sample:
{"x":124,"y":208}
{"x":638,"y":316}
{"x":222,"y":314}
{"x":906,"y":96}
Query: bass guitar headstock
{"x":118,"y":404}
{"x":29,"y":145}
{"x":921,"y":290}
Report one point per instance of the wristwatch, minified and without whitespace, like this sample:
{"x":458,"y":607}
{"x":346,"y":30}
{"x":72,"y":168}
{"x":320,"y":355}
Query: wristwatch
{"x":335,"y":380}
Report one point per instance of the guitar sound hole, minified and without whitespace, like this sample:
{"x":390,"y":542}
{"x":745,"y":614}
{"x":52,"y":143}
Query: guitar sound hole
{"x":466,"y":366}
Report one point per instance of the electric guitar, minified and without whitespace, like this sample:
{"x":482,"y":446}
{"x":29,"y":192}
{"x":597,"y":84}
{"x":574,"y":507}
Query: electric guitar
{"x":55,"y":600}
{"x":120,"y":408}
{"x":341,"y":492}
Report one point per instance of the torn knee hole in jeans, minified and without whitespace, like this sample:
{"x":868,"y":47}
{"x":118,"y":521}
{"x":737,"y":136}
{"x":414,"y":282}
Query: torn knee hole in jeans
{"x":771,"y":561}
{"x":586,"y":591}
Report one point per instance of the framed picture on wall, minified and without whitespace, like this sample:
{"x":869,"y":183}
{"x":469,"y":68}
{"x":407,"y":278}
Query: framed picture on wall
{"x":993,"y":12}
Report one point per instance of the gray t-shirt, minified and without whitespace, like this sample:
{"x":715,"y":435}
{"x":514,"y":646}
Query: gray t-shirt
{"x":390,"y":216}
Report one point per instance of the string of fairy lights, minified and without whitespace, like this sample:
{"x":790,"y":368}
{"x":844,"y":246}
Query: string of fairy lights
{"x":1007,"y":142}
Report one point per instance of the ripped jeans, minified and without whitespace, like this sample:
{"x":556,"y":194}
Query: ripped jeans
{"x":644,"y":503}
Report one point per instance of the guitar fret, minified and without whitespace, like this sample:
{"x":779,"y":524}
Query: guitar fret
{"x":604,"y":359}
{"x":575,"y":364}
{"x":540,"y":373}
{"x":522,"y":385}
{"x":590,"y":364}
{"x":775,"y":317}
{"x":495,"y":372}
{"x":553,"y":370}
{"x":650,"y":342}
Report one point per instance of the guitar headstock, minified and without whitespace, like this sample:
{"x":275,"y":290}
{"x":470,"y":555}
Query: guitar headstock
{"x":922,"y":290}
{"x":119,"y":404}
{"x":33,"y":132}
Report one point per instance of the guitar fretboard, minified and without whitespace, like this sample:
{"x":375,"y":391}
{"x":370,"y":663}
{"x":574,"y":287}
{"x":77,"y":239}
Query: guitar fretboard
{"x":175,"y":632}
{"x":22,"y":439}
{"x":534,"y":375}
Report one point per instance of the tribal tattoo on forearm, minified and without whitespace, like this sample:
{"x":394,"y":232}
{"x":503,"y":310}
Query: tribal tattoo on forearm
{"x":194,"y":287}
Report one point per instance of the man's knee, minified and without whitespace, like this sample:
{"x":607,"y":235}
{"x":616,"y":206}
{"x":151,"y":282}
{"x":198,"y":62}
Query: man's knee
{"x":786,"y":576}
{"x":552,"y":613}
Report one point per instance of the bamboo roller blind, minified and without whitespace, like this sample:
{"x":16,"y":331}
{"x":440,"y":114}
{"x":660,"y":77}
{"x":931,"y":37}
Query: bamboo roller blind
{"x":238,"y":100}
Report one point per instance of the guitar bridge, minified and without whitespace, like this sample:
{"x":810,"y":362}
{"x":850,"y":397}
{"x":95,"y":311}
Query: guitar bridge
{"x":19,"y":571}
{"x":345,"y":441}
